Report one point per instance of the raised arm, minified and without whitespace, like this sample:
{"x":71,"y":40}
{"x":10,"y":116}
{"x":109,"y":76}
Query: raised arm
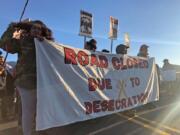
{"x":8,"y":42}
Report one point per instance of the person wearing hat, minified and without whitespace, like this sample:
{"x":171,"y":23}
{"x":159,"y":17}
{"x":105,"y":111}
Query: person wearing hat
{"x":167,"y":65}
{"x":121,"y":49}
{"x":91,"y":45}
{"x":169,"y":85}
{"x":105,"y":51}
{"x":143,"y":51}
{"x":166,"y":61}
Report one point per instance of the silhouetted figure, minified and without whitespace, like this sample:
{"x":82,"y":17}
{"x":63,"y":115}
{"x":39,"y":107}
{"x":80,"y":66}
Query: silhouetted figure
{"x":121,"y":49}
{"x":105,"y":50}
{"x":143,"y":51}
{"x":91,"y":45}
{"x":167,"y":65}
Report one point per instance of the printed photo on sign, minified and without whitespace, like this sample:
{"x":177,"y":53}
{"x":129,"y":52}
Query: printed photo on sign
{"x":86,"y":24}
{"x":113,"y":28}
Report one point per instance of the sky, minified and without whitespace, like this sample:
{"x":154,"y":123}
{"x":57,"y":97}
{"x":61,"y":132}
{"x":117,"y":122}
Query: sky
{"x":152,"y":22}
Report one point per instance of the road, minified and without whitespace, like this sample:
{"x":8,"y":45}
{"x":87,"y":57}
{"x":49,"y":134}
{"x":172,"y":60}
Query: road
{"x":161,"y":119}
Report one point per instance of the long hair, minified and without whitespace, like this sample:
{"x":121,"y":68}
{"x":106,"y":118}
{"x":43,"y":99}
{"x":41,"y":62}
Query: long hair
{"x":23,"y":26}
{"x":45,"y":31}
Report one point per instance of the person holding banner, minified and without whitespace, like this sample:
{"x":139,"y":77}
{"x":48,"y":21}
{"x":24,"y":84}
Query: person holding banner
{"x":121,"y":49}
{"x":91,"y":45}
{"x":19,"y":38}
{"x":168,"y":76}
{"x":143,"y":51}
{"x":167,"y":65}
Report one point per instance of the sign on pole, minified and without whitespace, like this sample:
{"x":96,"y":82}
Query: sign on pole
{"x":85,"y":24}
{"x":113,"y":28}
{"x":127,"y":39}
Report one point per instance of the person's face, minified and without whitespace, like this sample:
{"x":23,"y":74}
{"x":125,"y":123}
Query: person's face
{"x":125,"y":50}
{"x":166,"y":62}
{"x":92,"y":48}
{"x":36,"y":30}
{"x":145,"y":51}
{"x":89,"y":47}
{"x":17,"y":34}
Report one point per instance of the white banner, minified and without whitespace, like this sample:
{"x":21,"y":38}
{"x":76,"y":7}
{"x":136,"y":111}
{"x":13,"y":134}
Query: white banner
{"x":76,"y":85}
{"x":168,"y":75}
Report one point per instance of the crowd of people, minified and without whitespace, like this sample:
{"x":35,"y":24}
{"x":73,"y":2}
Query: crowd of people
{"x":19,"y":38}
{"x":122,"y":49}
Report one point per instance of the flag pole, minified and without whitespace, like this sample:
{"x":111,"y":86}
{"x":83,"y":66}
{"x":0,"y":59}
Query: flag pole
{"x":111,"y":45}
{"x":84,"y":40}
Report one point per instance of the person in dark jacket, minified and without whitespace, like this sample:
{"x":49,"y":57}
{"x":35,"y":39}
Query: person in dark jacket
{"x":91,"y":45}
{"x":19,"y":38}
{"x":121,"y":49}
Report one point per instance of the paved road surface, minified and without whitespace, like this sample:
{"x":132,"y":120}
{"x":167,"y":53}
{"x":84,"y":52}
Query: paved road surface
{"x":149,"y":120}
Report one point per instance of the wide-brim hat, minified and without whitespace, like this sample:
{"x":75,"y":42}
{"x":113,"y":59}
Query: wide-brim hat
{"x":121,"y":47}
{"x":144,"y":46}
{"x":165,"y":60}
